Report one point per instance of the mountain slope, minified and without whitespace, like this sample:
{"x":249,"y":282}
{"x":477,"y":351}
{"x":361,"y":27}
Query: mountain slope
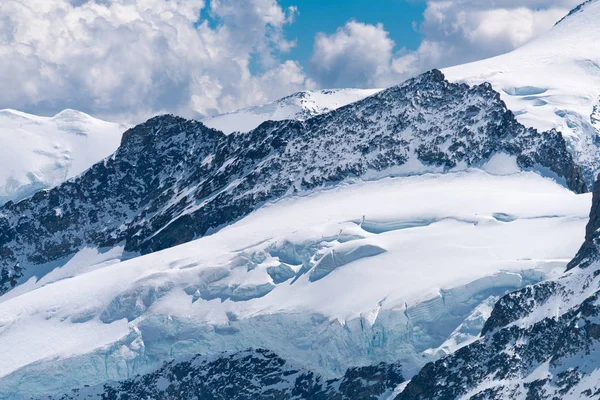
{"x":552,"y":82}
{"x":174,"y":180}
{"x":541,"y":342}
{"x":41,"y":152}
{"x":298,"y":106}
{"x":399,"y":270}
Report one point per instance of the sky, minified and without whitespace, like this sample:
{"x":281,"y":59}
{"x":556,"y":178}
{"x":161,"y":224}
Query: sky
{"x":397,"y":16}
{"x":127,"y":60}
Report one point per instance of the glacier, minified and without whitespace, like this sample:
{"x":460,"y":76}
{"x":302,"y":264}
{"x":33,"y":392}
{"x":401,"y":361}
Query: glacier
{"x":539,"y":342}
{"x":445,"y":256}
{"x":370,"y":267}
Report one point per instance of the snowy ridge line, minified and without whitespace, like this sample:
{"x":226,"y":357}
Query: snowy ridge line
{"x":298,"y":106}
{"x":577,"y":9}
{"x":422,"y":125}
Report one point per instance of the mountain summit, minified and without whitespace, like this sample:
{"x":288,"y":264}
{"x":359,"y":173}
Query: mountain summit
{"x":42,"y":152}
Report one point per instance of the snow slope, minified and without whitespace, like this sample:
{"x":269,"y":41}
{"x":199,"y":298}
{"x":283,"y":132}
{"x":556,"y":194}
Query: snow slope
{"x":298,"y":106}
{"x":552,"y":81}
{"x":391,"y":269}
{"x":41,"y":152}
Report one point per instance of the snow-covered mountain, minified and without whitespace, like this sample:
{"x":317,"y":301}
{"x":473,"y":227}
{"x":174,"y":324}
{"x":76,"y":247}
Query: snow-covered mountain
{"x":552,"y":82}
{"x":357,"y":240}
{"x":41,"y":152}
{"x":303,"y":237}
{"x":298,"y":106}
{"x":173,"y":180}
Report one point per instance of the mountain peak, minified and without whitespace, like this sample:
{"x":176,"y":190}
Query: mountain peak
{"x":38,"y":152}
{"x":70,"y":114}
{"x":578,"y":9}
{"x":298,"y":106}
{"x":526,"y":81}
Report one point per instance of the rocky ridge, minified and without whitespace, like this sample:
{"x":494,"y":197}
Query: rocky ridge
{"x":173,"y":180}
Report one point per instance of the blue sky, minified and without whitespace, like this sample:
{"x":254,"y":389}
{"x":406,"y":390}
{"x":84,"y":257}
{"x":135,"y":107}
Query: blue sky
{"x":397,"y":16}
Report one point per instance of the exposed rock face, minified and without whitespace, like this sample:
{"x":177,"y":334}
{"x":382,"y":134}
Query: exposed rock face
{"x":252,"y":374}
{"x":173,"y":180}
{"x":589,"y":252}
{"x":595,"y":119}
{"x":574,"y":11}
{"x":541,"y":342}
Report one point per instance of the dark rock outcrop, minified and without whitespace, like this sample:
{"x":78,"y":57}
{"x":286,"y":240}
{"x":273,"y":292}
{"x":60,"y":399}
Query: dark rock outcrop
{"x":589,"y":252}
{"x":251,"y":374}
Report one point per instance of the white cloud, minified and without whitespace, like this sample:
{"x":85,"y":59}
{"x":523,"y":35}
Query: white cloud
{"x":454,"y":32}
{"x":129,"y":59}
{"x":467,"y":30}
{"x":356,"y":52}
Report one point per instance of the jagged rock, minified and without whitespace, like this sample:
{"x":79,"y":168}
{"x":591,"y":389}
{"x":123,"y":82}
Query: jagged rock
{"x":589,"y":252}
{"x":173,"y":180}
{"x":595,"y":117}
{"x":251,"y":374}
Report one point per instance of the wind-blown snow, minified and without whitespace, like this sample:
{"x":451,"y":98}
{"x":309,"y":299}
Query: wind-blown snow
{"x":552,"y":81}
{"x":41,"y":152}
{"x":413,"y":259}
{"x":298,"y":106}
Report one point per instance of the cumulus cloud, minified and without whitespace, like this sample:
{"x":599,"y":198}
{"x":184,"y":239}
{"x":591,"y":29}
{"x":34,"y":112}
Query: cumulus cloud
{"x":466,"y":30}
{"x":357,"y":52}
{"x":454,"y":32}
{"x":130,"y":59}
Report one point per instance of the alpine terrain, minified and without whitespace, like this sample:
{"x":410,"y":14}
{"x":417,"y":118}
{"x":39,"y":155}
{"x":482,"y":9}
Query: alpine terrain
{"x":173,"y":180}
{"x":186,"y":242}
{"x":432,"y":240}
{"x":540,"y":342}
